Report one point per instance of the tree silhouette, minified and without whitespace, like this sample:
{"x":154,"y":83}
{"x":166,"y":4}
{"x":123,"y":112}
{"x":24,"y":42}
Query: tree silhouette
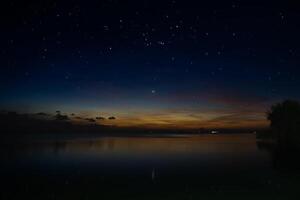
{"x":90,"y":119}
{"x":285,"y":123}
{"x":100,"y":118}
{"x":60,"y":117}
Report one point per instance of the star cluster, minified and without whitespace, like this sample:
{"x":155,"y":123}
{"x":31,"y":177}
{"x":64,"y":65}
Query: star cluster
{"x":187,"y":62}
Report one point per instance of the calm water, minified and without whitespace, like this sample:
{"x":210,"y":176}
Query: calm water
{"x":112,"y":167}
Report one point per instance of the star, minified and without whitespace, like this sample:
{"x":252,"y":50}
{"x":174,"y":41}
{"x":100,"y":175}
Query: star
{"x":106,"y":28}
{"x":269,"y":78}
{"x":161,"y":43}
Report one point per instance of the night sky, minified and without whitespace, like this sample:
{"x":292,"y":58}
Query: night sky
{"x":186,"y":64}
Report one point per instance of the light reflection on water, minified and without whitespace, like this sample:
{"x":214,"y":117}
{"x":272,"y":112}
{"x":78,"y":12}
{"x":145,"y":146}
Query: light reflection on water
{"x":205,"y":152}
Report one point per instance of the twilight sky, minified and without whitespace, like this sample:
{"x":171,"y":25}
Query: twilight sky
{"x":186,"y":64}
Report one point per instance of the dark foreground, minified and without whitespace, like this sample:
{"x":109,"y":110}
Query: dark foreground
{"x":173,"y":167}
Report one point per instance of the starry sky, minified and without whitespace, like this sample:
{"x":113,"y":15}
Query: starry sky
{"x":179,"y":64}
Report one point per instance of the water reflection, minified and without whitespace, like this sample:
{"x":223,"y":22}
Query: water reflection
{"x":282,"y":159}
{"x":203,"y":151}
{"x":103,"y":165}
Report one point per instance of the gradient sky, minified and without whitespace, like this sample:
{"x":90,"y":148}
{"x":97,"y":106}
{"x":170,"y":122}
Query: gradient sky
{"x":149,"y":63}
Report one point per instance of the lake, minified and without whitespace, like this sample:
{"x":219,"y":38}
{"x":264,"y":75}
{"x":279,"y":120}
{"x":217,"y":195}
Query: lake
{"x":147,"y":167}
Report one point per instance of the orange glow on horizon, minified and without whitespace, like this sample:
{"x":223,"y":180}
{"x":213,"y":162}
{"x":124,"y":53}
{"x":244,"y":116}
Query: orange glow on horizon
{"x":187,"y":121}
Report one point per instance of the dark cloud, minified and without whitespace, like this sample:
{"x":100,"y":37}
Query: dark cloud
{"x":220,"y":96}
{"x":100,"y":118}
{"x":112,"y":118}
